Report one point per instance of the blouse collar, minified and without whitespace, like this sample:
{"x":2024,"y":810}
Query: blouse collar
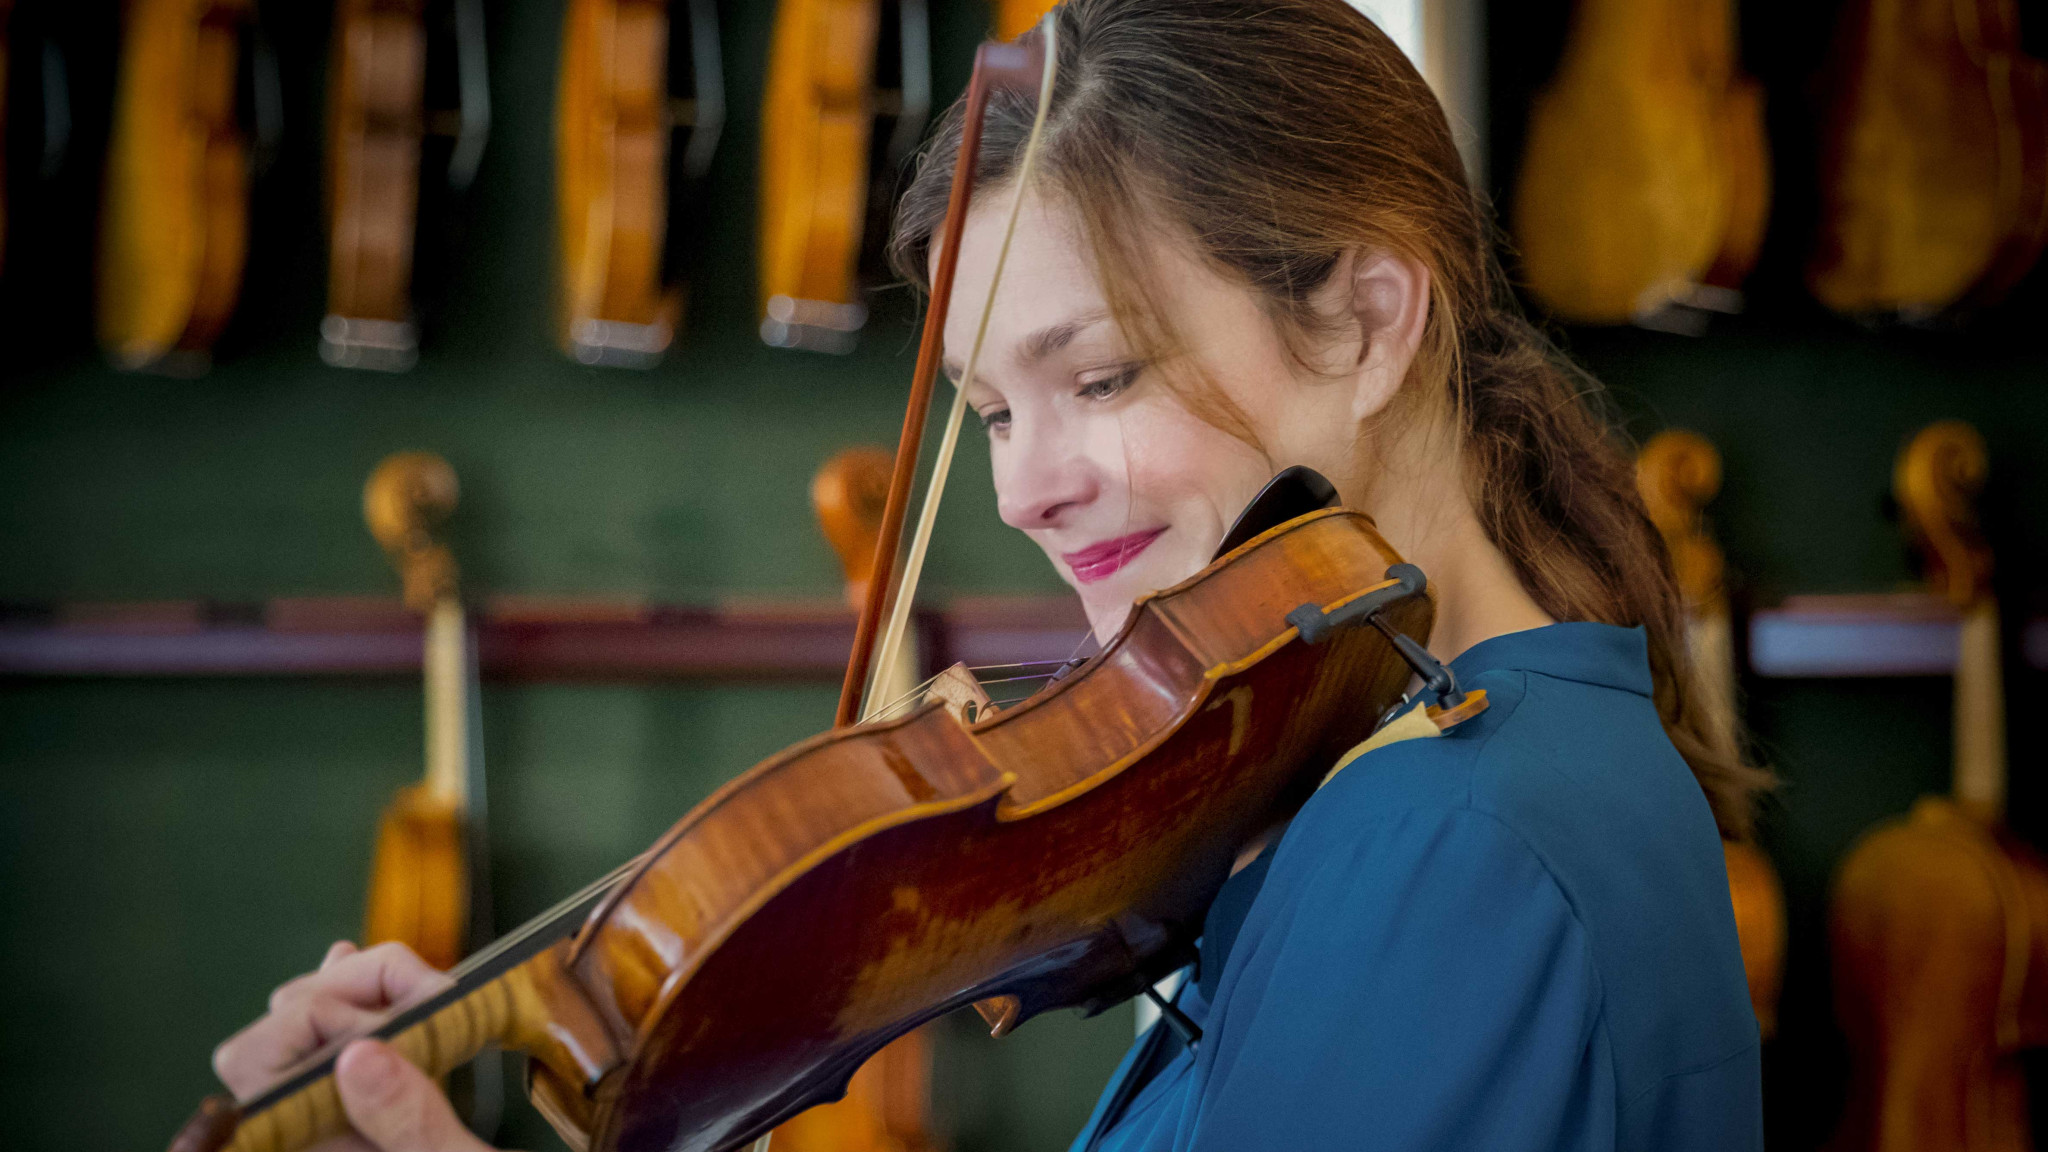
{"x":1604,"y":654}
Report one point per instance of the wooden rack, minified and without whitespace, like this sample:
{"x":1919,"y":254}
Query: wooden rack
{"x":516,"y":639}
{"x":1897,"y":634}
{"x":1907,"y":634}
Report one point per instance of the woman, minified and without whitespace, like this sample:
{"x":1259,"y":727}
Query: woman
{"x":1251,"y":246}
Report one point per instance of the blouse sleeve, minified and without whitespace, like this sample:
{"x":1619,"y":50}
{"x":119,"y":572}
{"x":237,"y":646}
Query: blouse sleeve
{"x":1419,"y":983}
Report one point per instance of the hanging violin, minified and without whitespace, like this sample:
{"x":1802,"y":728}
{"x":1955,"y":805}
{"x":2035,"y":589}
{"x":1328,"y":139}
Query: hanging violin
{"x":430,"y":872}
{"x":1645,"y":182}
{"x":618,"y":181}
{"x":1939,"y":925}
{"x":175,"y":222}
{"x":1934,"y":166}
{"x":1058,"y":853}
{"x":1677,"y":472}
{"x":378,"y":118}
{"x":827,"y":170}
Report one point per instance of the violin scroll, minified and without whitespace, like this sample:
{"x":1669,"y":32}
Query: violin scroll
{"x":1936,"y":482}
{"x":405,"y":501}
{"x":1677,"y":473}
{"x":850,"y":494}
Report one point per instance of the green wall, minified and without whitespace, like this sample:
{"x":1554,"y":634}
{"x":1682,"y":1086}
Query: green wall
{"x":171,"y":849}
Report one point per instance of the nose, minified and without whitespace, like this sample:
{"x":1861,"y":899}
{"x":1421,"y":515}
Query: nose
{"x":1043,"y":478}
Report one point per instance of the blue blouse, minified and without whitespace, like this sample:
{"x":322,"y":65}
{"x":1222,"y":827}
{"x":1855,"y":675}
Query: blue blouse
{"x":1514,"y":937}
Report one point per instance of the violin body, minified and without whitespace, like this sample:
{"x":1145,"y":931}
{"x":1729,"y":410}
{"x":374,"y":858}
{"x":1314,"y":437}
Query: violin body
{"x":1934,"y":174}
{"x":1940,"y":942}
{"x":1023,"y":858}
{"x":419,"y":877}
{"x":176,"y":217}
{"x":1646,"y":172}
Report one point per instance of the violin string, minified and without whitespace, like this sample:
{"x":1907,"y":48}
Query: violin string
{"x":489,"y":952}
{"x":927,"y":515}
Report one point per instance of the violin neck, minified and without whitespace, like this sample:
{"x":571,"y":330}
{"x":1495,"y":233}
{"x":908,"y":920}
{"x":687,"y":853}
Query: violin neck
{"x":1980,"y":713}
{"x":446,"y":663}
{"x":1710,"y":638}
{"x":510,"y":1009}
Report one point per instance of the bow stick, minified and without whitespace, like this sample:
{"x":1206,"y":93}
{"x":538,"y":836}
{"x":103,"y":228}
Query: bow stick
{"x":1008,"y":66}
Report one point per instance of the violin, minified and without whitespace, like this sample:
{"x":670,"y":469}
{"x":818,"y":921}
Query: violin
{"x":1058,"y":853}
{"x":1934,"y":164}
{"x":826,"y":169}
{"x":1677,"y":472}
{"x":1939,"y":924}
{"x":377,"y":122}
{"x":430,"y":871}
{"x":887,"y":1107}
{"x":1645,"y":183}
{"x":619,"y":302}
{"x":423,"y":879}
{"x":175,"y":222}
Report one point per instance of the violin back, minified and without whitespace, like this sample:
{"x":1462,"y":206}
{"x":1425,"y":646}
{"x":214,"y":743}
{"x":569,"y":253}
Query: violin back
{"x":816,"y":119}
{"x":1060,"y":853}
{"x":1941,"y":978}
{"x":419,"y":877}
{"x":611,"y":182}
{"x":1934,"y":176}
{"x":174,"y":230}
{"x":1645,"y":172}
{"x":375,"y":123}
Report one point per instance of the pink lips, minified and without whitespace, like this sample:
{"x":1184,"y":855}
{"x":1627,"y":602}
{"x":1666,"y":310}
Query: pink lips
{"x":1101,"y":561}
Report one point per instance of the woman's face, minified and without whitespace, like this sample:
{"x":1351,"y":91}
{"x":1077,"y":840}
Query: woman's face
{"x":1096,"y":458}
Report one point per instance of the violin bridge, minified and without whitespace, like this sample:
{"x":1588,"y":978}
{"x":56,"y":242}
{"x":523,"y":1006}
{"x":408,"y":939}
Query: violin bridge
{"x":961,"y":693}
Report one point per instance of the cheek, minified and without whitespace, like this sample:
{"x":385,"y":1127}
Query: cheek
{"x":1183,"y":463}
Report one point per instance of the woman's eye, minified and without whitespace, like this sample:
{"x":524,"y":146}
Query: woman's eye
{"x":1111,"y":385}
{"x":995,"y":419}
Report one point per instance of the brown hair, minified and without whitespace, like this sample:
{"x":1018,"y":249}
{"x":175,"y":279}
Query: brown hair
{"x":1278,"y":135}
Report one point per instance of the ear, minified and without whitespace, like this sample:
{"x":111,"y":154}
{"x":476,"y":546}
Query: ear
{"x":1389,"y":298}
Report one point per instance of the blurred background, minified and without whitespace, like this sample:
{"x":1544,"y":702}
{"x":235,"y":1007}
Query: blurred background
{"x":251,"y":250}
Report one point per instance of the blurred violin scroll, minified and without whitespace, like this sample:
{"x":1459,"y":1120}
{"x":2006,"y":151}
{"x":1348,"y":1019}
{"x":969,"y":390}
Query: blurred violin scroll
{"x":827,"y":172}
{"x":1645,"y":183}
{"x":1678,"y":472}
{"x":615,"y":200}
{"x":175,"y":221}
{"x":378,"y":116}
{"x":1940,"y":920}
{"x":1934,"y":167}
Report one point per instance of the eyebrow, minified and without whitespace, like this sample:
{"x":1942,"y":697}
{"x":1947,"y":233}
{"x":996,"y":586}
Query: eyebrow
{"x":1042,"y":343}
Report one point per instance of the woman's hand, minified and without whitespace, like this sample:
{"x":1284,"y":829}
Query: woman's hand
{"x":392,"y":1105}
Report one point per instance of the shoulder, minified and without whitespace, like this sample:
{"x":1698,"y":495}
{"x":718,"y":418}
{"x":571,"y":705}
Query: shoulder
{"x":1569,"y":795}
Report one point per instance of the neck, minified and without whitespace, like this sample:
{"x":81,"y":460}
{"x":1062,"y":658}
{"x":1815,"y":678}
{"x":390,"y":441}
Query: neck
{"x":1424,"y":513}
